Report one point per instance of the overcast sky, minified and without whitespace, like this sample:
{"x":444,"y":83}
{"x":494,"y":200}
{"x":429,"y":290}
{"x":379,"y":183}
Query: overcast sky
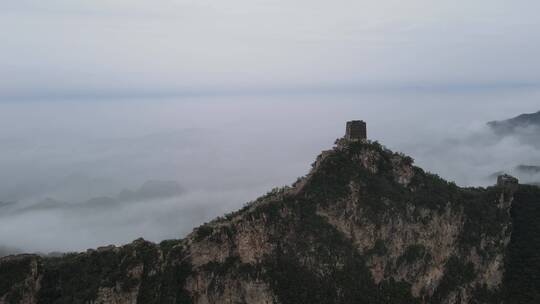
{"x":97,"y":48}
{"x":228,"y":99}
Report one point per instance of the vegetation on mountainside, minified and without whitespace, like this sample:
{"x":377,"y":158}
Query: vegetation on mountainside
{"x":522,"y":278}
{"x":456,"y":273}
{"x":414,"y":253}
{"x":12,"y":276}
{"x":316,"y":264}
{"x":77,"y":278}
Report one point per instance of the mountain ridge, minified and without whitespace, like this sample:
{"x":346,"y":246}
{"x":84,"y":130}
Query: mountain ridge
{"x":509,"y":126}
{"x":364,"y":226}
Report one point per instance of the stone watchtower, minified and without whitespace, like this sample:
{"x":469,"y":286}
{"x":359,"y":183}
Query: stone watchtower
{"x":356,"y":130}
{"x":507,"y":180}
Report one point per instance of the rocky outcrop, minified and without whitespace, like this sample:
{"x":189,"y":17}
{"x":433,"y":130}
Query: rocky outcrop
{"x":20,"y":278}
{"x":364,"y":226}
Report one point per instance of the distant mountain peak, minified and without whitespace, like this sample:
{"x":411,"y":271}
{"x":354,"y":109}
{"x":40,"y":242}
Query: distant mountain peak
{"x":509,"y":126}
{"x":153,"y":189}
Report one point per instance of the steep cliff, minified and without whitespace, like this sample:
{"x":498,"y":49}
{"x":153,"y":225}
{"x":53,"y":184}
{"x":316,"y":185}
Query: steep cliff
{"x":364,"y":226}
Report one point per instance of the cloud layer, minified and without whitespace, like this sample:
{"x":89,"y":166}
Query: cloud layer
{"x":65,"y":163}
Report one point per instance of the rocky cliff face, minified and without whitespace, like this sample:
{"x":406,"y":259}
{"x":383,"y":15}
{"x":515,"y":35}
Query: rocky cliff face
{"x":364,"y":226}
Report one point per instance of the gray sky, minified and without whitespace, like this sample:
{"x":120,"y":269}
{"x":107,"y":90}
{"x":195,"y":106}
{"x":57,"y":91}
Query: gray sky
{"x":103,"y":48}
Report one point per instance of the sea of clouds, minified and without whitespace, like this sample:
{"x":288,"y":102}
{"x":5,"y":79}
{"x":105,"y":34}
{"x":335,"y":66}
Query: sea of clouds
{"x":81,"y":174}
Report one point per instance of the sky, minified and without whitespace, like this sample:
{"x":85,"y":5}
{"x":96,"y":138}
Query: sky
{"x":101,"y":48}
{"x":126,"y":119}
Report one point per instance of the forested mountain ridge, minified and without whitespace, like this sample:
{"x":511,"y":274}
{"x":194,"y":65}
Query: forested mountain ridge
{"x":364,"y":226}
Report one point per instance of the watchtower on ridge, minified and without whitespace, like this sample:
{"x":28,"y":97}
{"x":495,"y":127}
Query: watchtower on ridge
{"x":356,"y":130}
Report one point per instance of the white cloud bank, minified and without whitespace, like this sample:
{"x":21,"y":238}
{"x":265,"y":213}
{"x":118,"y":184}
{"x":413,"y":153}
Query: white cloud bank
{"x":222,"y":151}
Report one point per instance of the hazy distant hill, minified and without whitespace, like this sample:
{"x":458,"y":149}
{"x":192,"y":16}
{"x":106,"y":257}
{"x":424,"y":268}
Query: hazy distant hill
{"x":509,"y":126}
{"x":526,"y":129}
{"x":153,"y":189}
{"x":528,"y":169}
{"x":149,"y":191}
{"x":364,"y":226}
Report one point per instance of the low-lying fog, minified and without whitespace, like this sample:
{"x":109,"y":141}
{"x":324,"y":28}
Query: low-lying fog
{"x":81,"y":174}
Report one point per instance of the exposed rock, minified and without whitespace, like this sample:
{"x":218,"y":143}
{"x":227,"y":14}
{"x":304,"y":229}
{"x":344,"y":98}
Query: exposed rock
{"x":20,"y":278}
